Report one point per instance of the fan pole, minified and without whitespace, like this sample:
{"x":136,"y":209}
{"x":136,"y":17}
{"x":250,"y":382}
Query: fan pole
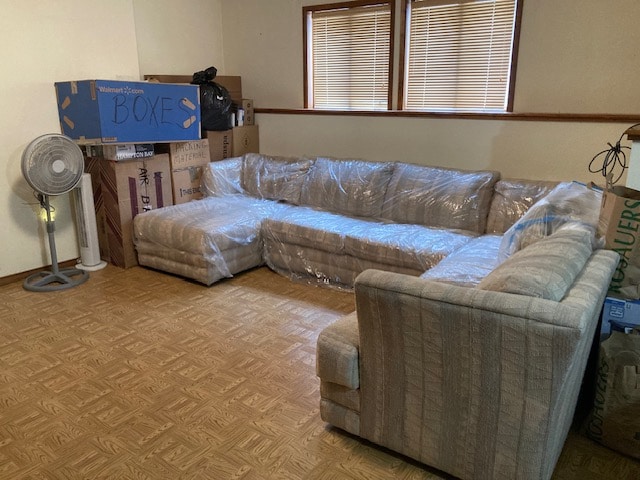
{"x":56,"y":279}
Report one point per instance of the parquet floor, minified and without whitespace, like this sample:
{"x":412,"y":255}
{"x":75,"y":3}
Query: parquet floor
{"x":141,"y":375}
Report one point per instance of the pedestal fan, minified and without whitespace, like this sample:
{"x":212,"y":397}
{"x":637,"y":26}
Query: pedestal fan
{"x":53,"y":164}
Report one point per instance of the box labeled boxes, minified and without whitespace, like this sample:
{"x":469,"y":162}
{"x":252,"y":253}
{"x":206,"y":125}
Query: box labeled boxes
{"x":127,"y":189}
{"x":110,"y":111}
{"x":187,"y":161}
{"x":618,"y":314}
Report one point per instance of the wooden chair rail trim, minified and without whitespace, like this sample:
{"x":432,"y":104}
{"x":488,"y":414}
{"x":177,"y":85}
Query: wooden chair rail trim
{"x":520,"y":116}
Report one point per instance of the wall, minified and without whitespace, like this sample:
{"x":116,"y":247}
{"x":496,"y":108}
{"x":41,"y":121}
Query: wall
{"x":576,"y":56}
{"x":45,"y":42}
{"x":178,"y":37}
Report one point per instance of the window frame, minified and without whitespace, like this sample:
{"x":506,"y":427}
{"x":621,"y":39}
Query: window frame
{"x":309,"y":10}
{"x":403,"y":57}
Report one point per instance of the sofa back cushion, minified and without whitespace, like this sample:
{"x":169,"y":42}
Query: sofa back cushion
{"x":351,"y":187}
{"x":545,"y":269}
{"x":274,"y":178}
{"x":511,"y":199}
{"x":439,"y":197}
{"x":222,"y":177}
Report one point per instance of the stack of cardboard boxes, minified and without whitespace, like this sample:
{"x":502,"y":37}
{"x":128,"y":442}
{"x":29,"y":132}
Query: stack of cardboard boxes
{"x":159,"y":164}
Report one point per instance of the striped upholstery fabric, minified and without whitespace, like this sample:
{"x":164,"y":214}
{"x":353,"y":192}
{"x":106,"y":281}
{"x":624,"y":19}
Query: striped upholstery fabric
{"x":337,"y":352}
{"x":479,"y":384}
{"x":439,"y":197}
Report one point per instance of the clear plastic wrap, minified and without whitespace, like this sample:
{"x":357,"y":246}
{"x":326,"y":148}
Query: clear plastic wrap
{"x":511,"y":200}
{"x":329,"y":248}
{"x":222,"y":177}
{"x":439,"y":197}
{"x":568,"y":205}
{"x":212,"y":236}
{"x":349,"y":187}
{"x":468,"y":265}
{"x":322,"y":221}
{"x":275,"y":178}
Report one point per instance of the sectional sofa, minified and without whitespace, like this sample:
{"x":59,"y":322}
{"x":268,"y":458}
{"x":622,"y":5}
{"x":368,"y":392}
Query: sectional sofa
{"x":477,"y":297}
{"x":325,"y":220}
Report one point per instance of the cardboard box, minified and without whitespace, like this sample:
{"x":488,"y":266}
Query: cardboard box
{"x":110,"y":111}
{"x":186,"y":184}
{"x":249,"y":116}
{"x":187,"y":160}
{"x":129,"y":189}
{"x":220,"y":144}
{"x":245,"y":140}
{"x":127,"y":151}
{"x":618,"y":314}
{"x":189,"y":154}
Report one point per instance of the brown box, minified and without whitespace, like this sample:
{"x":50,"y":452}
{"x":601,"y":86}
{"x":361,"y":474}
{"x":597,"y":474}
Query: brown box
{"x":245,"y":140}
{"x":187,"y":161}
{"x":128,"y":189}
{"x":220,"y":144}
{"x":249,"y":116}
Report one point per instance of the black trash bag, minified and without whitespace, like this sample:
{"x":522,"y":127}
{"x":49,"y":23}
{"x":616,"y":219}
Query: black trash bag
{"x":215,"y":100}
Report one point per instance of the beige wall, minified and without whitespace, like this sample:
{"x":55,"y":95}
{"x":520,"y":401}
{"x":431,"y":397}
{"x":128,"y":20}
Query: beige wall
{"x":178,"y":37}
{"x":576,"y":56}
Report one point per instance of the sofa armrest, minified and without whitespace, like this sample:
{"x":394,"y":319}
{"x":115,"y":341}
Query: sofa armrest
{"x":477,"y":383}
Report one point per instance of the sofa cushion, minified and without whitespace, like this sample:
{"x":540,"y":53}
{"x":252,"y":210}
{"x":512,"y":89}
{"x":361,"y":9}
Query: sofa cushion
{"x":468,"y":265}
{"x":337,"y":352}
{"x":439,"y":197}
{"x":274,"y":178}
{"x":351,"y":187}
{"x":402,"y":245}
{"x":545,"y":269}
{"x":308,"y":227}
{"x":568,"y":202}
{"x":511,"y":200}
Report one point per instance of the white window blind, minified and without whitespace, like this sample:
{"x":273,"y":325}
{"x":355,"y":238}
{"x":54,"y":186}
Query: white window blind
{"x":459,"y":54}
{"x":349,"y":56}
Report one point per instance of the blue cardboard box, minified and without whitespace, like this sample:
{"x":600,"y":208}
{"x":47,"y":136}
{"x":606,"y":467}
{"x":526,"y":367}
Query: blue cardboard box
{"x":619,"y":314}
{"x":112,"y":111}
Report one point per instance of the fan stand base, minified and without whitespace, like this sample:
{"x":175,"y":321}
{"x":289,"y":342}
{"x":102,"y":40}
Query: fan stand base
{"x":47,"y":281}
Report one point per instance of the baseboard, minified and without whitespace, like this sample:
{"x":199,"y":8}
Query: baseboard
{"x":19,"y":277}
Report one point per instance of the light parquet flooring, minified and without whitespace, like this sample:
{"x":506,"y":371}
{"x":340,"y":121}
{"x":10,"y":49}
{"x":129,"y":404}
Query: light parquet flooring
{"x":141,"y":375}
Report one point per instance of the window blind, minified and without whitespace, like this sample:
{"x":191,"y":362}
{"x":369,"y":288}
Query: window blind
{"x":459,"y":54}
{"x":350,"y":58}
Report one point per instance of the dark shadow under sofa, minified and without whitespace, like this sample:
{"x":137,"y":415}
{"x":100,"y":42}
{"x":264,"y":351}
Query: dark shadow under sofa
{"x":477,"y":297}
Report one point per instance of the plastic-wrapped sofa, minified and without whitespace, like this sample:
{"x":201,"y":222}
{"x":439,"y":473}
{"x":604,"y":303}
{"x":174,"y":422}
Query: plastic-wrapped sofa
{"x":325,"y":220}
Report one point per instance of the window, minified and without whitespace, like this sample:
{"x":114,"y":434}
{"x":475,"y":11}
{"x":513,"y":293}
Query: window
{"x":459,"y":54}
{"x":348,"y":55}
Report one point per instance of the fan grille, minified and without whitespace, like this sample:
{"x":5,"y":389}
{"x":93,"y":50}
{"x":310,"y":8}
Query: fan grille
{"x":52,"y":164}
